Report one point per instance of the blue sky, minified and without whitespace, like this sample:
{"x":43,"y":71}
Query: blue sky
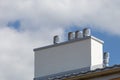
{"x":14,"y":24}
{"x":27,"y":24}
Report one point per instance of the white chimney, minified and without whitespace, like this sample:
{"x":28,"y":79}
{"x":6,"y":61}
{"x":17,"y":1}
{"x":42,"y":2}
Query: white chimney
{"x":70,"y":56}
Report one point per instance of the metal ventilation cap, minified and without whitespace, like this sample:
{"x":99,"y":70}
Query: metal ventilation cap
{"x":106,"y":55}
{"x":55,"y":39}
{"x":78,"y":34}
{"x":71,"y":36}
{"x":86,"y":32}
{"x":106,"y":59}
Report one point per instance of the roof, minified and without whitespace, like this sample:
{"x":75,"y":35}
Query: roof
{"x":70,"y":41}
{"x":90,"y":74}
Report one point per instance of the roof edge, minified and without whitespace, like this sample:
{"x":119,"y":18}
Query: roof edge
{"x":96,"y":73}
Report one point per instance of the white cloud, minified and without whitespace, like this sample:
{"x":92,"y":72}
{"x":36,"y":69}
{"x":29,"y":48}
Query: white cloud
{"x":16,"y":52}
{"x":39,"y":13}
{"x":42,"y":19}
{"x":16,"y":55}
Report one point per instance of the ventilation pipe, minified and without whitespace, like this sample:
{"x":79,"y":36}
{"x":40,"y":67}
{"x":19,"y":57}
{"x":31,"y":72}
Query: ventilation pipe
{"x":106,"y":59}
{"x":86,"y":32}
{"x":70,"y":36}
{"x":55,"y":39}
{"x":78,"y":34}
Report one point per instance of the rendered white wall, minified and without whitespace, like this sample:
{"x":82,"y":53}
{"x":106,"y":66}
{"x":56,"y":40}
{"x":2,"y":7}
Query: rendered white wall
{"x":67,"y":57}
{"x":62,"y":58}
{"x":96,"y":54}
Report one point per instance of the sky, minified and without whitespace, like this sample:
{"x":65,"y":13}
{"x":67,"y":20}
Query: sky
{"x":28,"y":24}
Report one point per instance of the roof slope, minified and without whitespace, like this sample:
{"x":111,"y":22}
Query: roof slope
{"x":90,"y":74}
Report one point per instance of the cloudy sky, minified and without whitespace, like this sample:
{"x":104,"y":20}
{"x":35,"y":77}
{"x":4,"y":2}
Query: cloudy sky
{"x":27,"y":24}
